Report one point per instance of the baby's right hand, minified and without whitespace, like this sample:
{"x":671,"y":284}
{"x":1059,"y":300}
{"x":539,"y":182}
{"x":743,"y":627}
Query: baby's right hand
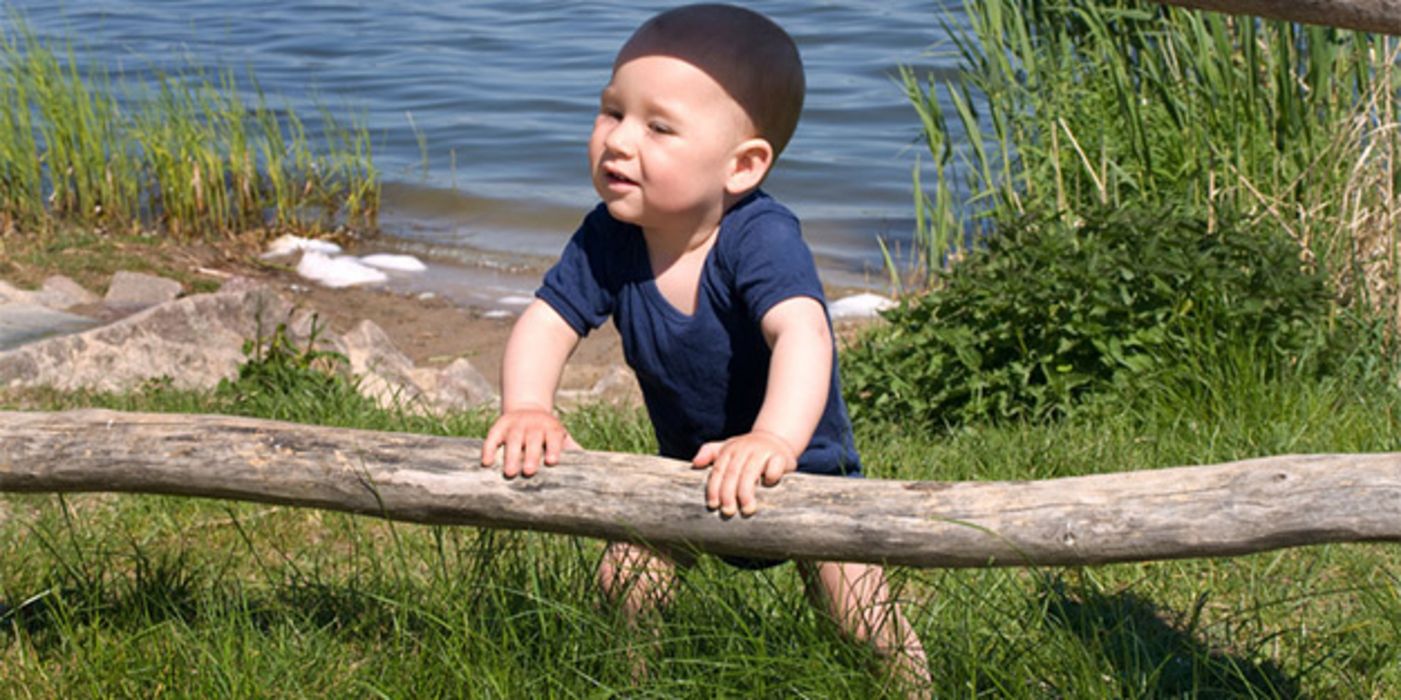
{"x":528,"y":435}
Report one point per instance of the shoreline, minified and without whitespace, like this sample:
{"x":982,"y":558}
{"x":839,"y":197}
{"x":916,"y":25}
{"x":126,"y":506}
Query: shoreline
{"x":426,"y":321}
{"x":433,"y":329}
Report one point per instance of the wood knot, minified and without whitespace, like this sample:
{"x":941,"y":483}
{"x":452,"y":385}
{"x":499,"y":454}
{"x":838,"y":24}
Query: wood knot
{"x":927,"y":486}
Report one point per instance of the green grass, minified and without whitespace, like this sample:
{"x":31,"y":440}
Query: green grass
{"x":144,"y":595}
{"x":91,"y":259}
{"x":188,"y":156}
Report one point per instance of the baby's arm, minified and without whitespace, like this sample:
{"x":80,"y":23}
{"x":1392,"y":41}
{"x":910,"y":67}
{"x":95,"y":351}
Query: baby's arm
{"x":539,"y":345}
{"x":799,"y":376}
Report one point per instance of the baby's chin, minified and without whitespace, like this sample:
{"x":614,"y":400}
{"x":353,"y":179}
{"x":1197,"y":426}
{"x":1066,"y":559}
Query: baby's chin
{"x":619,"y":210}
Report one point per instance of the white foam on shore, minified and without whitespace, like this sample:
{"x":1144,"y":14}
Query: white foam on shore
{"x":289,"y":244}
{"x":863,"y":305}
{"x":515,"y":300}
{"x":337,"y":272}
{"x":398,"y":263}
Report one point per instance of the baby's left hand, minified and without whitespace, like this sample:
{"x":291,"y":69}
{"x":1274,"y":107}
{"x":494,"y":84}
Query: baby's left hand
{"x":737,"y":464}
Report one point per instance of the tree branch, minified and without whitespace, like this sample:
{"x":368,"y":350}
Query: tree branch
{"x":1381,"y":16}
{"x":1198,"y":511}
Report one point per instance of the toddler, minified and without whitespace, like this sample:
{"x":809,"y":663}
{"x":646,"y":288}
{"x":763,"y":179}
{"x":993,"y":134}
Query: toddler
{"x":716,"y":298}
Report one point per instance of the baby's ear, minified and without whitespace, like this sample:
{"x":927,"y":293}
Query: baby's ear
{"x":751,"y":164}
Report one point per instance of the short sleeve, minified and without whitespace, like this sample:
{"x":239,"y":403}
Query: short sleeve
{"x":772,"y":263}
{"x":576,"y":287}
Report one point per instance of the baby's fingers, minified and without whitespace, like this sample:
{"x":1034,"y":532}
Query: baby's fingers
{"x":706,"y":454}
{"x":748,"y":482}
{"x":534,"y":447}
{"x":514,"y":442}
{"x":715,"y":482}
{"x":492,"y":444}
{"x":556,"y":442}
{"x":775,"y":468}
{"x":742,"y":472}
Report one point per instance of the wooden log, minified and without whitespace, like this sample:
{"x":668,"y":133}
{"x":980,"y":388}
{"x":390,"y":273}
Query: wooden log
{"x":1197,"y":511}
{"x":1381,"y":16}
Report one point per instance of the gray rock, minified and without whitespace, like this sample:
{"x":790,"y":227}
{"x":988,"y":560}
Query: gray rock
{"x":459,"y":386}
{"x":10,"y":294}
{"x":133,"y":291}
{"x":386,"y":374}
{"x":195,"y":342}
{"x":618,"y":386}
{"x":60,"y":292}
{"x":24,"y":322}
{"x":239,"y":284}
{"x":391,"y":379}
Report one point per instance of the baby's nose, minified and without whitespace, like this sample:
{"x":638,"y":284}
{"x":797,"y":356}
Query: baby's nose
{"x":622,"y":138}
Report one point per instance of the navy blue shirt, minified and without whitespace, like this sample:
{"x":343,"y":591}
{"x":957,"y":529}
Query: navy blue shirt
{"x":703,"y":375}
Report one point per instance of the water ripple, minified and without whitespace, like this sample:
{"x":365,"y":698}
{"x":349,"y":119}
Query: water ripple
{"x":504,"y":92}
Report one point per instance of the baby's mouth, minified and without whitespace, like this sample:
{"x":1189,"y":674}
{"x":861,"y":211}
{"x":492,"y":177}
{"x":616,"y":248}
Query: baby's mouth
{"x":617,"y":178}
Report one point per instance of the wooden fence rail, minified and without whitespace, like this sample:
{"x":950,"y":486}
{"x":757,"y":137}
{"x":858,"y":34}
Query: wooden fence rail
{"x":1381,"y":16}
{"x":1196,"y":511}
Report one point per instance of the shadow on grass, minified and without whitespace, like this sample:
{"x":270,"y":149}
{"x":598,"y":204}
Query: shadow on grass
{"x":1154,"y":657}
{"x":170,"y":591}
{"x":158,"y":590}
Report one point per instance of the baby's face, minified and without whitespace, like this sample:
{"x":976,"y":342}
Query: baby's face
{"x":664,"y":142}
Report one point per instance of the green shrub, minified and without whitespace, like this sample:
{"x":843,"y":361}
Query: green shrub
{"x":285,"y":382}
{"x":1045,"y":312}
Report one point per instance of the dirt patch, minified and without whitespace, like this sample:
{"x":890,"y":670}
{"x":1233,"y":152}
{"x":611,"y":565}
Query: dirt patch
{"x":433,"y":331}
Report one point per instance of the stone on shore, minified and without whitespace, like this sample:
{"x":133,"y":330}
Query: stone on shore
{"x":617,"y":385}
{"x":384,"y":371}
{"x":457,"y":386}
{"x":391,"y":379}
{"x":134,"y":291}
{"x":60,"y":292}
{"x":24,"y":322}
{"x":195,"y":341}
{"x":10,"y":294}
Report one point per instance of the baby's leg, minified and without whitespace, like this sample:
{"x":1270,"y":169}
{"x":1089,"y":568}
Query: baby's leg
{"x":638,"y":579}
{"x":640,"y":582}
{"x":857,"y":599}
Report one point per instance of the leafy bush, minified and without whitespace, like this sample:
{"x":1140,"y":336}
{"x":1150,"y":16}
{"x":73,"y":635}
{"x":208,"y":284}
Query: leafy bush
{"x":1046,"y":312}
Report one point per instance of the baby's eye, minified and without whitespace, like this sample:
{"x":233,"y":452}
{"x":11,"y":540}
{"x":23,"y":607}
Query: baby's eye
{"x":661,"y":128}
{"x":611,"y":113}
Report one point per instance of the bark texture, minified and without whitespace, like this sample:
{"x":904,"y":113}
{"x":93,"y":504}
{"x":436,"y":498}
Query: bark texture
{"x":1380,"y":16}
{"x":1196,"y":511}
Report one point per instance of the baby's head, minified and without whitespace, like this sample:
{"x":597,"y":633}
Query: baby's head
{"x":747,"y":54}
{"x":701,"y":101}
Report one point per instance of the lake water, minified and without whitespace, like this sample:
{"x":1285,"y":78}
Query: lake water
{"x":479,"y":111}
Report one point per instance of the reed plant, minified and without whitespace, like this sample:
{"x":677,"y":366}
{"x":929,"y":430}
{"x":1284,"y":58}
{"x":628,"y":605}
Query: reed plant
{"x":1065,"y":105}
{"x":188,"y":156}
